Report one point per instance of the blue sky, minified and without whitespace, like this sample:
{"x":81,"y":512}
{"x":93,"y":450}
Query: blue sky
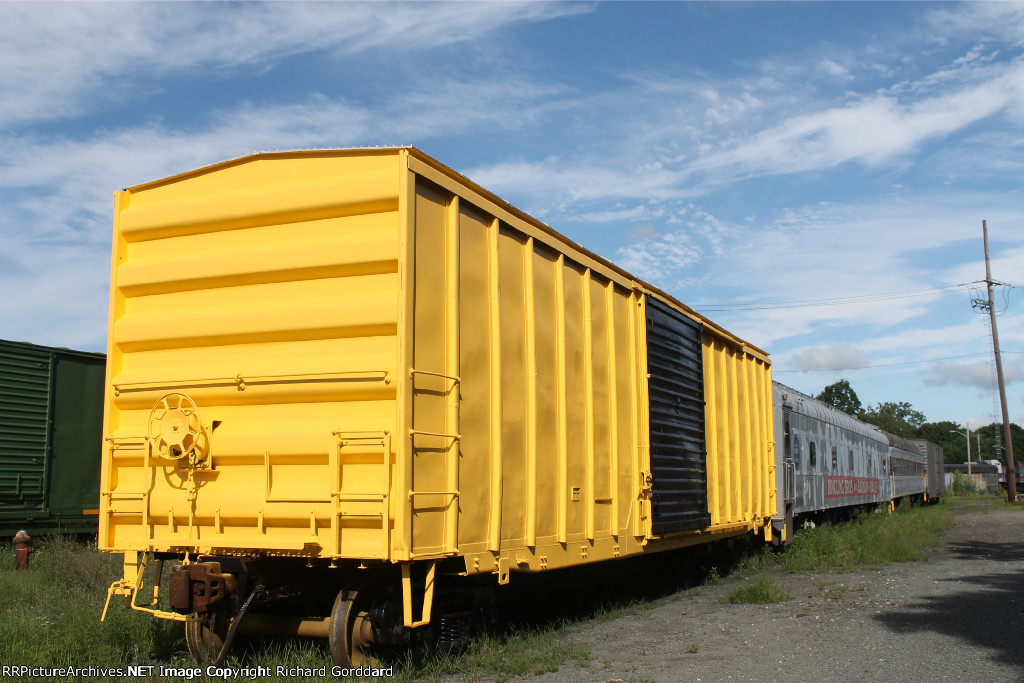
{"x":812,"y":176}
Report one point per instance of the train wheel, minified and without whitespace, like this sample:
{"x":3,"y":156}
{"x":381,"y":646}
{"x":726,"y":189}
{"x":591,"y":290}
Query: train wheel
{"x":205,"y":640}
{"x":350,"y":630}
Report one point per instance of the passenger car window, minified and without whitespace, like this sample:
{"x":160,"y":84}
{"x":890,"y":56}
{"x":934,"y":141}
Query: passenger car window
{"x":835,"y":458}
{"x":814,"y":455}
{"x":796,"y":453}
{"x":851,"y":460}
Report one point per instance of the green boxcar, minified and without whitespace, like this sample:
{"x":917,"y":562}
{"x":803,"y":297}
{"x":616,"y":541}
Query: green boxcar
{"x":51,"y":418}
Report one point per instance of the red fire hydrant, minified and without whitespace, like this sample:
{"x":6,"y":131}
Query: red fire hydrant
{"x":22,"y":549}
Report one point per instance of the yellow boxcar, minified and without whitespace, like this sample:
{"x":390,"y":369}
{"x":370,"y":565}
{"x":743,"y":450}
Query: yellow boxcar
{"x":361,"y":371}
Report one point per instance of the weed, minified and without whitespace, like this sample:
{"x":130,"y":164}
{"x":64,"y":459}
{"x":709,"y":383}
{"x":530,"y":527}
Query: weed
{"x":526,"y":652}
{"x":693,"y":648}
{"x":49,"y":615}
{"x":836,"y":591}
{"x":636,"y":608}
{"x":962,"y":486}
{"x":762,"y":558}
{"x":876,"y":540}
{"x":763,"y":591}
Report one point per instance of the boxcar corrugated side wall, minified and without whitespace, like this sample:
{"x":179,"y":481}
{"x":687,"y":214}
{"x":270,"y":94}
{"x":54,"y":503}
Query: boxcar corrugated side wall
{"x":594,"y":418}
{"x":51,"y":405}
{"x":525,"y":420}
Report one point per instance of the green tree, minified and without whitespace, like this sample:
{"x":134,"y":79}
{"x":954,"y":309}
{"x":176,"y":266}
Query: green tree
{"x":842,"y":396}
{"x":986,"y":442}
{"x":897,"y":418}
{"x":993,"y":443}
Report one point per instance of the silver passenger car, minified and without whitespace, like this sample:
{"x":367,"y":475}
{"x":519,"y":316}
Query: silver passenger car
{"x":907,"y":467}
{"x":826,"y":460}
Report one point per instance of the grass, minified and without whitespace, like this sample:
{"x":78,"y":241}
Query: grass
{"x":763,"y":591}
{"x":834,"y":590}
{"x":875,"y":541}
{"x":520,"y":653}
{"x":758,"y":559}
{"x":636,"y":608}
{"x":49,"y":615}
{"x":713,"y":577}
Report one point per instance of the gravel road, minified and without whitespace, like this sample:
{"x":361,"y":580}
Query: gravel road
{"x":957,"y":617}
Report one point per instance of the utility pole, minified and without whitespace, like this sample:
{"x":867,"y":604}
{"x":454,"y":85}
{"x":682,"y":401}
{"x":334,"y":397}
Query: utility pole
{"x":1011,"y":474}
{"x":968,"y":428}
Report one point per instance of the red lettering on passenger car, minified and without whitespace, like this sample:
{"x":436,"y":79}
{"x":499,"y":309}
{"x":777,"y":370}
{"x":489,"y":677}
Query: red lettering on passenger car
{"x":843,"y":487}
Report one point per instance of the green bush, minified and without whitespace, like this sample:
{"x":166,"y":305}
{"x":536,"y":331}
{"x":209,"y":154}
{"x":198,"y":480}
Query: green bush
{"x":875,"y":540}
{"x":962,"y":486}
{"x":761,"y":592}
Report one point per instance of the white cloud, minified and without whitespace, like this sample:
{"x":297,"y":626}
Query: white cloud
{"x":621,"y":155}
{"x":665,"y":136}
{"x":931,"y":340}
{"x":822,"y":252}
{"x":67,"y":282}
{"x":832,"y":357}
{"x":58,"y":64}
{"x":835,"y":70}
{"x":1005,"y":263}
{"x":82,"y":173}
{"x":872,"y":130}
{"x":979,"y":375}
{"x":1003,"y":21}
{"x":554,"y":183}
{"x":658,"y":259}
{"x":58,"y":190}
{"x":617,"y":215}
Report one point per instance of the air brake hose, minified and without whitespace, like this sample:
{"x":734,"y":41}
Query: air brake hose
{"x":258,"y":590}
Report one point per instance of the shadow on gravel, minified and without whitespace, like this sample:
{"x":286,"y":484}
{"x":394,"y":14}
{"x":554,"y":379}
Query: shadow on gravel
{"x":985,"y":610}
{"x":979,"y":550}
{"x":586,"y":591}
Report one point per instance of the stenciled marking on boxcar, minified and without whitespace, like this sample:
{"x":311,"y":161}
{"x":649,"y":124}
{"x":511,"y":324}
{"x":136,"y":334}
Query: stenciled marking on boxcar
{"x":841,"y":487}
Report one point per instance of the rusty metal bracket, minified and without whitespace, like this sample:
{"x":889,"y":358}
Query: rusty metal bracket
{"x":194,"y":588}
